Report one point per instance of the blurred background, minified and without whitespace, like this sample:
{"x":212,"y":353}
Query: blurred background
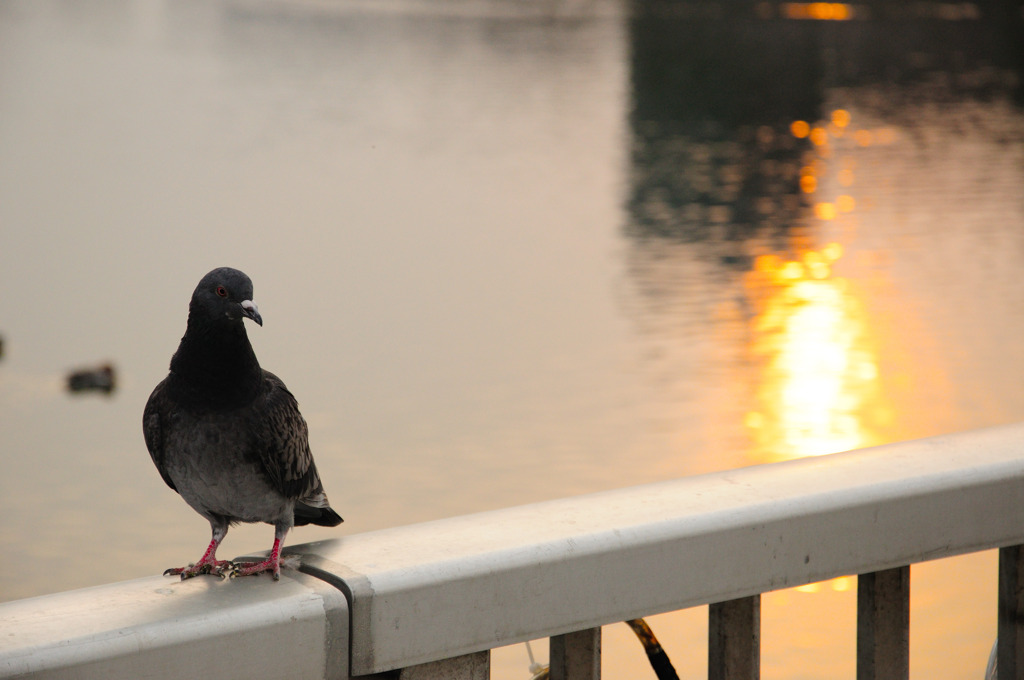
{"x":513,"y":250}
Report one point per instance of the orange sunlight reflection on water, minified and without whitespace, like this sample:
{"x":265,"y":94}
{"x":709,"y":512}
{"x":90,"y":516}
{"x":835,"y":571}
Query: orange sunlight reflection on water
{"x":819,"y":386}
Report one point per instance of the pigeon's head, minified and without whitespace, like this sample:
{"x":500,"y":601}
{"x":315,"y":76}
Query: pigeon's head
{"x":225,"y":294}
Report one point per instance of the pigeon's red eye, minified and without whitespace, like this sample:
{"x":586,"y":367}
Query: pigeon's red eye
{"x":222,"y":291}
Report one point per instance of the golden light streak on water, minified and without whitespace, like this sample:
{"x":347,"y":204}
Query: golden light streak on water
{"x":819,"y":372}
{"x":819,"y":379}
{"x":819,"y":388}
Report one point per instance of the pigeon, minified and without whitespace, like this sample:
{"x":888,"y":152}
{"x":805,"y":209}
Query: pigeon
{"x":227,"y":435}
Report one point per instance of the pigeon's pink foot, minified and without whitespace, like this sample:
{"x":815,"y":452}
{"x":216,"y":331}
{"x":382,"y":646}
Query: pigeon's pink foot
{"x":207,"y":564}
{"x":272,"y":564}
{"x":215,"y":567}
{"x":252,"y":568}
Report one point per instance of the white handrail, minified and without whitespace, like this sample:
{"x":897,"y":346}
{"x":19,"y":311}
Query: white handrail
{"x":440,"y":589}
{"x":159,"y":627}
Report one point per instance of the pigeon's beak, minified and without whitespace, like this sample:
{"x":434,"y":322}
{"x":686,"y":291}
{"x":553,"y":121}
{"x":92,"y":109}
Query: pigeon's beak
{"x":250,"y":310}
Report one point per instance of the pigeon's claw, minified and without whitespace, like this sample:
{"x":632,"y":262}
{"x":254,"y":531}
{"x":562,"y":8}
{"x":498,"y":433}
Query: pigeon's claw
{"x":271,"y":565}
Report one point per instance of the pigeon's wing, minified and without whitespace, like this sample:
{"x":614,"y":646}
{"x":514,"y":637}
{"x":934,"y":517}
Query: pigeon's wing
{"x":282,"y":442}
{"x":153,"y":431}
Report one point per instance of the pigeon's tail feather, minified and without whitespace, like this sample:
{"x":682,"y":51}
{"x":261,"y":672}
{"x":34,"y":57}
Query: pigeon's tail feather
{"x":307,"y":514}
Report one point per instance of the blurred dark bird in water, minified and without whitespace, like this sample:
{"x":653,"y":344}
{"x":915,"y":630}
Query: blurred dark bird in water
{"x":100,"y":379}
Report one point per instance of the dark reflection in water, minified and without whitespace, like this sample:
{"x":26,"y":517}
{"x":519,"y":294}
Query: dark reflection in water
{"x":709,"y":98}
{"x":716,"y":91}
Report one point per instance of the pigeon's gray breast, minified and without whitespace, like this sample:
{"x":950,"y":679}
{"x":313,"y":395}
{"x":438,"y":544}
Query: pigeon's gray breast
{"x":209,"y":458}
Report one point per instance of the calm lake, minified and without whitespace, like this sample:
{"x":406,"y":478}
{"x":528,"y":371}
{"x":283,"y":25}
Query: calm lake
{"x":512,"y":250}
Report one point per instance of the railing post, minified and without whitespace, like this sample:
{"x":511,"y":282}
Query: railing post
{"x":576,"y":656}
{"x":883,"y":625}
{"x":734,"y":639}
{"x":1010,"y":646}
{"x":476,"y":666}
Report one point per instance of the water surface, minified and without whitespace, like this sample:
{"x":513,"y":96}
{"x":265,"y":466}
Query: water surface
{"x":505,"y":252}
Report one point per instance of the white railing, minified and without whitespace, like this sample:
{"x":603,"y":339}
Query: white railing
{"x":431,"y":599}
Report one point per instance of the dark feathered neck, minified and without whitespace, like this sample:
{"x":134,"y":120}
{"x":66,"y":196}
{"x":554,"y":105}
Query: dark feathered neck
{"x":215,"y":367}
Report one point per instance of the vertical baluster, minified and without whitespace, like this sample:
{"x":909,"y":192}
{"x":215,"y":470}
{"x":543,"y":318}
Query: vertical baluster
{"x":576,"y":656}
{"x":1010,"y":648}
{"x":476,"y":666}
{"x":734,"y":639}
{"x":883,"y":625}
